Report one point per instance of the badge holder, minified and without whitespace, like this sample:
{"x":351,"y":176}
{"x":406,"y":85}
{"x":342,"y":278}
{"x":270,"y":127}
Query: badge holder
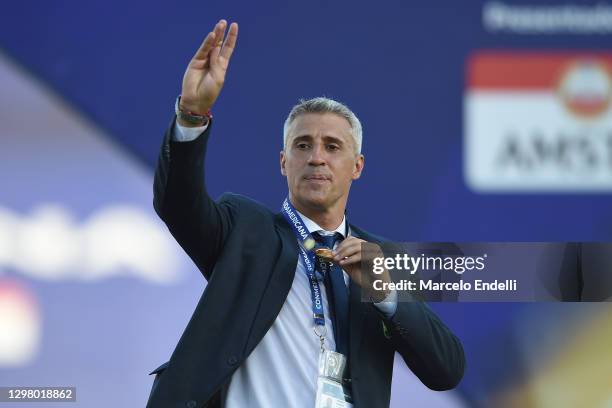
{"x":330,"y":391}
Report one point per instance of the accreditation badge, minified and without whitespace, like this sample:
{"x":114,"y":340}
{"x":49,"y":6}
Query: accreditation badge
{"x":330,"y":391}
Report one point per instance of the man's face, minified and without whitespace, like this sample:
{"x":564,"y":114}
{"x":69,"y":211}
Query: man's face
{"x":319,"y":161}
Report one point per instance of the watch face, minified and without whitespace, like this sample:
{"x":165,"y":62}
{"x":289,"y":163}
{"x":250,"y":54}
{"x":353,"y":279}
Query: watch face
{"x":191,"y":119}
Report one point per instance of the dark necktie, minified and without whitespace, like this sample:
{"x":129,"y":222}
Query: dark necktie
{"x":337,"y":295}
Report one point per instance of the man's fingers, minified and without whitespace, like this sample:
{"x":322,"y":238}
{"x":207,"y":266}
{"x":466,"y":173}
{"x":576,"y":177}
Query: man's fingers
{"x":210,"y":50}
{"x":207,"y":44}
{"x":224,"y":48}
{"x":213,"y":39}
{"x":347,"y":249}
{"x":219,"y":35}
{"x":220,"y":32}
{"x":345,"y":252}
{"x":214,"y":55}
{"x":230,"y":42}
{"x":350,"y":259}
{"x":350,"y":242}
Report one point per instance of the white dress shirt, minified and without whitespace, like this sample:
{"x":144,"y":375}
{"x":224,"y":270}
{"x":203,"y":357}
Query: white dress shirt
{"x":282,"y":369}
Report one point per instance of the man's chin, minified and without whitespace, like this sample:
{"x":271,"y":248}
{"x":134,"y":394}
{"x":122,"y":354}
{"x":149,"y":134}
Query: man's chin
{"x":315,"y":202}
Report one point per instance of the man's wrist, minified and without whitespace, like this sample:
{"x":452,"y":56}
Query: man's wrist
{"x":188,"y":118}
{"x":186,"y":124}
{"x":388,"y":305}
{"x":378,"y":296}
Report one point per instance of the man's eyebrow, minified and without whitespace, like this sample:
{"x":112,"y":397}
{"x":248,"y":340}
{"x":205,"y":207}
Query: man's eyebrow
{"x":334,"y":139}
{"x":327,"y":138}
{"x":302,"y":137}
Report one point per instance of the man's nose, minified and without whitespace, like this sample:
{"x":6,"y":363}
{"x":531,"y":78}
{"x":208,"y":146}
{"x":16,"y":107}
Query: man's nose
{"x":317,"y":156}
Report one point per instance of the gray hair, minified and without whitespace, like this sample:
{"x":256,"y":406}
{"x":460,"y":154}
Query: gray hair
{"x":325,"y":105}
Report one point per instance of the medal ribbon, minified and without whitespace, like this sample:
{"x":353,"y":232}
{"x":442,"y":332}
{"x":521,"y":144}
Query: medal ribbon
{"x":309,"y":258}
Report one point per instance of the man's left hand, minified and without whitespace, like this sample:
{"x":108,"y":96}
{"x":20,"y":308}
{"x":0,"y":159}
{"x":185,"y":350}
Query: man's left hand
{"x":348,"y":255}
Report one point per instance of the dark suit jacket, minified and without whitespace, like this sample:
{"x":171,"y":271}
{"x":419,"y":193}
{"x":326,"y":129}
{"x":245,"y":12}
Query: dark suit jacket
{"x":248,"y":255}
{"x":575,"y":272}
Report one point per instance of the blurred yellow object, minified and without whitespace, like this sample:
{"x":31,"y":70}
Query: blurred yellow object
{"x":309,"y":243}
{"x":579,"y":374}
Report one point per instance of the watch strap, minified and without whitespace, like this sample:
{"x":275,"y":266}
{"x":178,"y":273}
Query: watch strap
{"x":193,"y":118}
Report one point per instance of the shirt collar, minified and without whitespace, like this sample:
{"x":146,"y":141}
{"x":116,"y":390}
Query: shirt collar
{"x":314,"y":227}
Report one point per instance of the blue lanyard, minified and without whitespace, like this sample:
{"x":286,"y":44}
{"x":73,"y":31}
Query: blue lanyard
{"x":309,"y":258}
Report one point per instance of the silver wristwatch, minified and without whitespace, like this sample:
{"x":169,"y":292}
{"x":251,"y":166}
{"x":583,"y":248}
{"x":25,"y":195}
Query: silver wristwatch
{"x":192,"y":118}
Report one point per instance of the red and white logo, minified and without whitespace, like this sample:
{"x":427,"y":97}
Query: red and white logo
{"x":538,"y":122}
{"x":585,"y":88}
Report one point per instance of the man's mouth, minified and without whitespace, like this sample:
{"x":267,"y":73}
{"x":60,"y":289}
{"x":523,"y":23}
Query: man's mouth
{"x":318,"y":177}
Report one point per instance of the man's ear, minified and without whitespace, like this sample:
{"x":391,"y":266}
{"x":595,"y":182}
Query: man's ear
{"x":359,"y":163}
{"x":282,"y":163}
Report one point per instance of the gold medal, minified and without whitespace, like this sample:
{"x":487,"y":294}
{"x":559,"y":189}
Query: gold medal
{"x":325,"y":253}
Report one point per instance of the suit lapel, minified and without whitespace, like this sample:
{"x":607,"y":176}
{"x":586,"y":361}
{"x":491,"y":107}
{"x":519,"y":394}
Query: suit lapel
{"x":279,"y":281}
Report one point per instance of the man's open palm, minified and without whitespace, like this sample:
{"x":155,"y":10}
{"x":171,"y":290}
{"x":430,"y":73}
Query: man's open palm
{"x":205,"y":74}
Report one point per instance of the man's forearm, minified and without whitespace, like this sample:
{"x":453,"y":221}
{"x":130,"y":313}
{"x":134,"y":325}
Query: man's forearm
{"x":196,"y":221}
{"x":428,"y":347}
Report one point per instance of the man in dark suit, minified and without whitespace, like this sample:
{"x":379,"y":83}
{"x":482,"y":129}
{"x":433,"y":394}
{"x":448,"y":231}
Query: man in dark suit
{"x":263,"y":325}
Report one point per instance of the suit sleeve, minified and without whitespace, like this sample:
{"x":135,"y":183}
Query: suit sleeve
{"x":433,"y":353}
{"x":198,"y":223}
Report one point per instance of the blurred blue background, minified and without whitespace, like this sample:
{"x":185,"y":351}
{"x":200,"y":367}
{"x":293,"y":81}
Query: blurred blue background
{"x":95,"y":294}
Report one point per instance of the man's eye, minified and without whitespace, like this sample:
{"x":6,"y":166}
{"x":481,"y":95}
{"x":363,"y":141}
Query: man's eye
{"x":333,"y":147}
{"x":302,"y":145}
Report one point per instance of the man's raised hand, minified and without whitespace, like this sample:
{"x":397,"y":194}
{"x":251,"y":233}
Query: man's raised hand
{"x":205,"y":74}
